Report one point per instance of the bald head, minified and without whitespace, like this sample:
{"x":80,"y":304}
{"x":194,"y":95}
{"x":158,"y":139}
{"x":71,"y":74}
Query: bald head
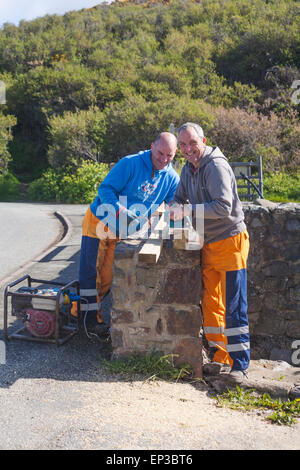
{"x":163,"y":150}
{"x":166,"y":137}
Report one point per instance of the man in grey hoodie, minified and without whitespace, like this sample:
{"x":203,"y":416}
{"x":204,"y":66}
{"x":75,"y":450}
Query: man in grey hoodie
{"x":208,"y":179}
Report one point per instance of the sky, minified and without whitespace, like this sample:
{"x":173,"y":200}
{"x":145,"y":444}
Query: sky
{"x":13,"y":11}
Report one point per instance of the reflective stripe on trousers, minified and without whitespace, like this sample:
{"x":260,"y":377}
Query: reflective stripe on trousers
{"x":224,"y":300}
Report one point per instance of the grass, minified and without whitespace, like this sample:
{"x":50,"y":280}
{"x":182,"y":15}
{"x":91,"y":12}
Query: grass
{"x":284,"y":412}
{"x":277,"y":187}
{"x":282,"y":187}
{"x":149,"y":366}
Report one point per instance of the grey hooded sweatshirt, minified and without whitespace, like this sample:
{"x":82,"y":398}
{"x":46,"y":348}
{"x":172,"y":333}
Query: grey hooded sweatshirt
{"x":213,"y":184}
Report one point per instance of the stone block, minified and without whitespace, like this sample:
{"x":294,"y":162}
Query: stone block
{"x":120,"y":297}
{"x":151,"y":315}
{"x":118,"y":273}
{"x":296,"y":267}
{"x":270,"y":323}
{"x":274,"y":284}
{"x":182,"y":286}
{"x":293,"y":329}
{"x":255,"y":303}
{"x":295,"y":293}
{"x":256,"y":223}
{"x":183,"y":322}
{"x":116,"y":338}
{"x":171,"y":257}
{"x":127,"y":249}
{"x":292,"y":315}
{"x":278,"y":354}
{"x":275,"y":301}
{"x":189,"y":351}
{"x":152,"y":343}
{"x":122,"y":316}
{"x":265,"y":203}
{"x":271,"y":251}
{"x":139,"y":330}
{"x":140,"y":297}
{"x":276,"y":269}
{"x":148,"y":277}
{"x":293,"y":225}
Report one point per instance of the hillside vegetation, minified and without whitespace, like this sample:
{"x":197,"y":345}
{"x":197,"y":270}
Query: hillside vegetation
{"x":101,"y":83}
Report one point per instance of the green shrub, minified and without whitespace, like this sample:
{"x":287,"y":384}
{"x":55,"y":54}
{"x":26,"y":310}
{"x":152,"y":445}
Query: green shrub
{"x":75,"y":137}
{"x":9,"y":187}
{"x":66,"y":186}
{"x":282,"y":187}
{"x":6,"y":125}
{"x":134,"y":123}
{"x":28,"y":162}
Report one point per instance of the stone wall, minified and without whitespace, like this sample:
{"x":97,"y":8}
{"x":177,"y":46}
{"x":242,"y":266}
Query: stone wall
{"x":273,"y":277}
{"x":157,"y":306}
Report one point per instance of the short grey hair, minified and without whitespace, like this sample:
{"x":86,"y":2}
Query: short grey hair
{"x":195,"y":126}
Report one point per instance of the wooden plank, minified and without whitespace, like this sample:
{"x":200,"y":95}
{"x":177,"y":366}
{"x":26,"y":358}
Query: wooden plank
{"x":184,"y":240}
{"x":180,"y":238}
{"x":150,"y":251}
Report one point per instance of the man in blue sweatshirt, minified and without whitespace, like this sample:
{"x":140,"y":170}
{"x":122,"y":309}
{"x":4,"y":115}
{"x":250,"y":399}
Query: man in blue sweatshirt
{"x":134,"y":188}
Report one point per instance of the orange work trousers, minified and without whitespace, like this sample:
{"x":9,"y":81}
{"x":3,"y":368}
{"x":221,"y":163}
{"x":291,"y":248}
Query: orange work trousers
{"x":96,"y":266}
{"x":224,"y":300}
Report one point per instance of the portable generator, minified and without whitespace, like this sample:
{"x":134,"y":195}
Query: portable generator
{"x":48,"y":314}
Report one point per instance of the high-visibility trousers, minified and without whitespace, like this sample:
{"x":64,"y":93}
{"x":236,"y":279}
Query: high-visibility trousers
{"x":224,"y":300}
{"x":96,"y":267}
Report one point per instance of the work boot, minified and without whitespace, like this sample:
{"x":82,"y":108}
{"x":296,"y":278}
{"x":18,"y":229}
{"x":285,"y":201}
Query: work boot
{"x":215,"y":368}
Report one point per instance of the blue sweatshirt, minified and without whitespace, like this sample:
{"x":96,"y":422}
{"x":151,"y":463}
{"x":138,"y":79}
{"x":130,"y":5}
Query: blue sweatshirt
{"x":131,"y":178}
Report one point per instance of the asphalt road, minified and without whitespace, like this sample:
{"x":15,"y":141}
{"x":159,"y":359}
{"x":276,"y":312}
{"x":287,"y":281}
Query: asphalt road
{"x":26,"y":231}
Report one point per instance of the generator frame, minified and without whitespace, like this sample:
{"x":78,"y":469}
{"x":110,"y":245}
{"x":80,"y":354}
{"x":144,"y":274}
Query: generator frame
{"x":21,"y":333}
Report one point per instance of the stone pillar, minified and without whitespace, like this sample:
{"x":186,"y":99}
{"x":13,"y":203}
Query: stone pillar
{"x":156,"y":306}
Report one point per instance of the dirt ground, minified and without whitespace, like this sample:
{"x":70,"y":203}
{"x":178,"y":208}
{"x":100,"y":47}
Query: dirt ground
{"x":62,"y":399}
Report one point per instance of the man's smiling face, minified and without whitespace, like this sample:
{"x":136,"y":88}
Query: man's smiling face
{"x":163,"y":150}
{"x":191,"y":145}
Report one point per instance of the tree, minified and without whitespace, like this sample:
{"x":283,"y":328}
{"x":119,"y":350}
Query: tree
{"x":134,"y":123}
{"x":145,"y":65}
{"x":75,"y":137}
